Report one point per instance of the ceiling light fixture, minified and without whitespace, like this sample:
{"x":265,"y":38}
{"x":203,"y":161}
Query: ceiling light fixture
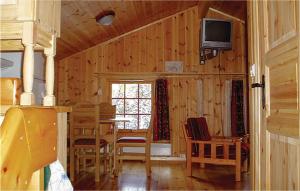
{"x":105,"y":18}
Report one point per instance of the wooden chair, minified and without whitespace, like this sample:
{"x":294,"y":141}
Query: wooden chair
{"x":134,"y":138}
{"x":84,"y":131}
{"x":204,"y":149}
{"x":107,"y":111}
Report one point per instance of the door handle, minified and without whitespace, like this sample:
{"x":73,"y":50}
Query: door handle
{"x":261,"y":85}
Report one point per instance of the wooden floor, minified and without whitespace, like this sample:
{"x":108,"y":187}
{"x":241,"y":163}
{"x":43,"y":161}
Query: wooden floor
{"x":165,"y":176}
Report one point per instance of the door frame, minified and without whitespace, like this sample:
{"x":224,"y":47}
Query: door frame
{"x":260,"y":152}
{"x":255,"y":110}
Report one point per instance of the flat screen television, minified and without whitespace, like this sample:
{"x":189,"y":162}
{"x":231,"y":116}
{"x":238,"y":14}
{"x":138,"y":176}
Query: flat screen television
{"x":216,"y":34}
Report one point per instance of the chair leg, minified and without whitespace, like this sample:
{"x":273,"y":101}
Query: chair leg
{"x":116,"y":159}
{"x":189,"y":159}
{"x":97,"y":166}
{"x":77,"y":164}
{"x":110,"y":158}
{"x":105,"y":159}
{"x":84,"y":162}
{"x":117,"y":166}
{"x":72,"y":156}
{"x":238,"y":162}
{"x":148,"y":160}
{"x":110,"y":162}
{"x":238,"y":172}
{"x":189,"y":168}
{"x":245,"y":165}
{"x":121,"y":161}
{"x":148,"y":167}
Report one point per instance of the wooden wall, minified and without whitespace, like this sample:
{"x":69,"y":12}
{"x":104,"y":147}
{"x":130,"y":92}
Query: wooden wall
{"x":144,"y":51}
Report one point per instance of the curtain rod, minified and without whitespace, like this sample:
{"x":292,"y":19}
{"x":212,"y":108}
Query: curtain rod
{"x":162,"y":74}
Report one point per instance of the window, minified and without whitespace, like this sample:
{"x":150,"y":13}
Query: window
{"x":133,"y":100}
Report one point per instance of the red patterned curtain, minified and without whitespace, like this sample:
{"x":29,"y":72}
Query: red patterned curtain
{"x":161,"y":129}
{"x":237,"y":109}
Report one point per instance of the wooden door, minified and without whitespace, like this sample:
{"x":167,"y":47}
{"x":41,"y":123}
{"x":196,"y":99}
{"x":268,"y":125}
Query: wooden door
{"x":274,"y":52}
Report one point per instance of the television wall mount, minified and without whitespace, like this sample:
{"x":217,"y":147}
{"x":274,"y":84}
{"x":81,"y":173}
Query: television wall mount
{"x":207,"y":54}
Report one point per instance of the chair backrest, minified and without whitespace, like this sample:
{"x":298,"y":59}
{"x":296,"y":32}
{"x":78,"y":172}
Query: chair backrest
{"x":84,"y":119}
{"x":147,"y":133}
{"x":107,"y":110}
{"x":197,"y":129}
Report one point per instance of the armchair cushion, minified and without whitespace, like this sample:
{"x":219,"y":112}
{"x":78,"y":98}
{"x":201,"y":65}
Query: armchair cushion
{"x":197,"y":129}
{"x":132,"y":140}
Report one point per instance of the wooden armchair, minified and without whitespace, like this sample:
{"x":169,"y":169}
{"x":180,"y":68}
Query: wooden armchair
{"x":134,"y":138}
{"x":204,"y":149}
{"x":84,"y":131}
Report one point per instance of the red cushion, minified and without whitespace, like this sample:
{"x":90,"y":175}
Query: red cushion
{"x":204,"y":129}
{"x":86,"y":141}
{"x":132,"y":140}
{"x":197,"y":129}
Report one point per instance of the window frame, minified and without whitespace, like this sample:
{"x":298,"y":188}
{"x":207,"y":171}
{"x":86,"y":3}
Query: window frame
{"x":152,"y":82}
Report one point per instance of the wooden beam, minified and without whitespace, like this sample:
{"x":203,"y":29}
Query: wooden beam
{"x":227,"y":15}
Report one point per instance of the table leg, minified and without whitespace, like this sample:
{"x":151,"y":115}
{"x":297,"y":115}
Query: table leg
{"x":114,"y":149}
{"x":97,"y":150}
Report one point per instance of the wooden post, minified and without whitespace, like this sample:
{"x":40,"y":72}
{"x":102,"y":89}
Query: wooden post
{"x":188,"y":158}
{"x":49,"y":99}
{"x":62,"y":134}
{"x":72,"y":150}
{"x":28,"y":40}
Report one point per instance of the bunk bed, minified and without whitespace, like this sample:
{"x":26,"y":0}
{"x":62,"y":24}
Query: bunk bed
{"x":32,"y":137}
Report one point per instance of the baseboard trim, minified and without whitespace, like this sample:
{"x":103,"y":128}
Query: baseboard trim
{"x":167,"y":159}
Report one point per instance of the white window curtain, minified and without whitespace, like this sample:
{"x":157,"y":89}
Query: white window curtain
{"x":227,"y":113}
{"x":200,"y":97}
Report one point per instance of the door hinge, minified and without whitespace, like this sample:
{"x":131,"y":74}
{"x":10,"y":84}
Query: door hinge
{"x":261,"y":85}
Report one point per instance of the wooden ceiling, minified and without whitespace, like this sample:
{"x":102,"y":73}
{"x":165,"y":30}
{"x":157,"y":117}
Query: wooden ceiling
{"x":80,"y":31}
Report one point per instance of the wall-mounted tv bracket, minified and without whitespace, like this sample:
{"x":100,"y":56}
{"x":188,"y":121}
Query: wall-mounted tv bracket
{"x":207,"y":54}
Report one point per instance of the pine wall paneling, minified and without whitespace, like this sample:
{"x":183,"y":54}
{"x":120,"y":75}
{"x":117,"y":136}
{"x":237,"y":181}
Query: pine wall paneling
{"x":145,"y":51}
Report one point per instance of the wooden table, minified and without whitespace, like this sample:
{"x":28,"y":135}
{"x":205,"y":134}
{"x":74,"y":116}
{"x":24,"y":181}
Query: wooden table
{"x":112,"y":139}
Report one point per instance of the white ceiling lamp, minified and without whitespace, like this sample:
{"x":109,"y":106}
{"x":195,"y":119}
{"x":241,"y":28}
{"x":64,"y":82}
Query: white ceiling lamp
{"x":105,"y":18}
